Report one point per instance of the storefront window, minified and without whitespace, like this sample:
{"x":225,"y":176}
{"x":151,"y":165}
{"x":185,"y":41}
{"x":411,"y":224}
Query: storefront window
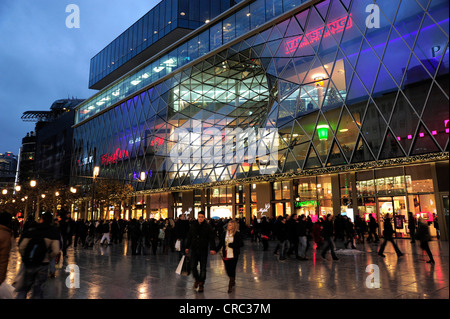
{"x":418,"y":179}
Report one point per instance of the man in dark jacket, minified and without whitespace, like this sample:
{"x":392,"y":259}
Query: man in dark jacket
{"x":282,"y":236}
{"x":36,"y":269}
{"x":303,"y":239}
{"x":67,"y":228}
{"x":327,"y":234}
{"x":388,"y":234}
{"x":200,"y":237}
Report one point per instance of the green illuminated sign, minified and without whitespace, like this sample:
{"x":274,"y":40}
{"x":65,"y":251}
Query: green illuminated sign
{"x":305,"y":203}
{"x":322,"y":132}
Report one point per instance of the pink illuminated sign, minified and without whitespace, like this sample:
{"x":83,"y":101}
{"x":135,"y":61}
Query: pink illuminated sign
{"x":108,"y":159}
{"x":333,"y":27}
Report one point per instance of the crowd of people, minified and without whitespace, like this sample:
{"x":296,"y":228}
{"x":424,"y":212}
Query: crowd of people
{"x":290,"y":235}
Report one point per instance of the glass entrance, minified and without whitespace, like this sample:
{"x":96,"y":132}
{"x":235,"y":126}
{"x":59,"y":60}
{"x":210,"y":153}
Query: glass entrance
{"x":395,"y":206}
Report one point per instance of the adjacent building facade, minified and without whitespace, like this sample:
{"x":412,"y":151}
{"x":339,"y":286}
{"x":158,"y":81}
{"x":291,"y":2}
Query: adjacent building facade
{"x":278,"y":107}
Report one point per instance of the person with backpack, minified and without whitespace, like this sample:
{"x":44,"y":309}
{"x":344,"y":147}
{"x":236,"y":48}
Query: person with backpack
{"x":37,"y":246}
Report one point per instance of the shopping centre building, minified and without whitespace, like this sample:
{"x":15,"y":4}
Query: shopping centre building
{"x":270,"y":107}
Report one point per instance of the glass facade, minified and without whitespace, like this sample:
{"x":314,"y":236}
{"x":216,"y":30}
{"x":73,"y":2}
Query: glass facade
{"x":338,"y":93}
{"x":197,"y":46}
{"x":165,"y":17}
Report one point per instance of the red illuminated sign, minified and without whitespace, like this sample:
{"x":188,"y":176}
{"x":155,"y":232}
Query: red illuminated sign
{"x":108,"y":159}
{"x":333,"y":27}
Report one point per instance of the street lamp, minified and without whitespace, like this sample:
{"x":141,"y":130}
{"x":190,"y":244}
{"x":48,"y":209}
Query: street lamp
{"x":33,"y":183}
{"x":5,"y":191}
{"x":95,"y":173}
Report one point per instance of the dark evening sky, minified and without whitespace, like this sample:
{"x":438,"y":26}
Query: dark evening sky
{"x":42,"y":60}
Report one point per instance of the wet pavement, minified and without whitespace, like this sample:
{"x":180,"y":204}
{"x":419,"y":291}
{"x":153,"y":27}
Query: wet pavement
{"x":111,"y":272}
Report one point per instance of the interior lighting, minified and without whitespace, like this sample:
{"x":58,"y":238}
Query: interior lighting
{"x":322,"y":132}
{"x":421,"y":134}
{"x":409,"y":137}
{"x":207,"y":21}
{"x":433,"y":132}
{"x":158,"y":69}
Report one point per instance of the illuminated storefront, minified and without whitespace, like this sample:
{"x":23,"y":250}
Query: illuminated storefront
{"x":361,"y":113}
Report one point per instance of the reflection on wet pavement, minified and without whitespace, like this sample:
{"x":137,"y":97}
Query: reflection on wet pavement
{"x":110,"y":272}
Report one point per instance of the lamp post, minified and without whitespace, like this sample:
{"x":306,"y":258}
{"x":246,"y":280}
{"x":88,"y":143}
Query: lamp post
{"x":94,"y":175}
{"x":32,"y":185}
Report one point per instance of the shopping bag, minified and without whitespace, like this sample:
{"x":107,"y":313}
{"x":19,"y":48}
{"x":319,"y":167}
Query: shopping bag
{"x":180,"y":266}
{"x":186,"y":268}
{"x":178,"y":245}
{"x":6,"y":291}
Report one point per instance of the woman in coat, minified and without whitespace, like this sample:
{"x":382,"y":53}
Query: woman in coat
{"x":230,"y":242}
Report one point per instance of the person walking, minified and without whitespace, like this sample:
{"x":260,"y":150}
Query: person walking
{"x":349,"y":232}
{"x":230,"y":242}
{"x":67,"y":228}
{"x":327,"y":234}
{"x":412,"y":226}
{"x":37,"y":247}
{"x":265,"y":233}
{"x":6,"y":234}
{"x":283,"y":238}
{"x":180,"y":232}
{"x":292,"y":231}
{"x":388,"y":234}
{"x":200,"y":237}
{"x":423,"y":235}
{"x":373,"y":226}
{"x":303,"y":237}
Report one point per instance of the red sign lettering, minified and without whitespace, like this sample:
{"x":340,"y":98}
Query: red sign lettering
{"x":333,"y":27}
{"x":108,"y":159}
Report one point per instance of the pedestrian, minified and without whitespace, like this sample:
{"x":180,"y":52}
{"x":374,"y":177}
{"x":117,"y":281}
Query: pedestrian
{"x":276,"y":226}
{"x":388,"y":234}
{"x":66,"y":228}
{"x":327,"y":234}
{"x":265,"y":233}
{"x":349,"y":232}
{"x":423,"y":235}
{"x":200,"y":237}
{"x":37,"y":247}
{"x":436,"y":225}
{"x":283,"y":238}
{"x":317,"y":233}
{"x":373,"y":226}
{"x":57,"y":259}
{"x":412,"y":226}
{"x":230,"y":242}
{"x":292,"y":232}
{"x":6,"y":234}
{"x":134,"y":234}
{"x":303,"y":237}
{"x":106,"y":230}
{"x":361,"y":228}
{"x":180,"y":232}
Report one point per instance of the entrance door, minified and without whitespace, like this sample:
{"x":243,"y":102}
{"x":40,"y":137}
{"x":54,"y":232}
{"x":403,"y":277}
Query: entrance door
{"x":395,"y":206}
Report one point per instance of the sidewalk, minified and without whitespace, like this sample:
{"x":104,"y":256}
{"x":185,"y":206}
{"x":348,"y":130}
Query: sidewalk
{"x":110,"y":272}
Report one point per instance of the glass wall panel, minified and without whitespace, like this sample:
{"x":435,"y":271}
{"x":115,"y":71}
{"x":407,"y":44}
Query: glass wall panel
{"x":418,"y":179}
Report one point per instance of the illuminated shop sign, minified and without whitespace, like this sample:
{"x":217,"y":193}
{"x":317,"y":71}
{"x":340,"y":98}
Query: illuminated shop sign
{"x":305,"y":203}
{"x":108,"y":159}
{"x":336,"y":26}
